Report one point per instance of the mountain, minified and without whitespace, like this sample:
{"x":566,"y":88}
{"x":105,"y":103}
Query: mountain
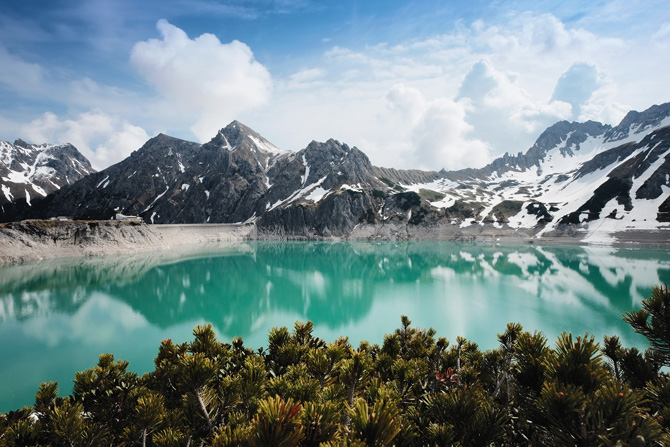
{"x":579,"y":179}
{"x":28,"y":171}
{"x":586,"y":177}
{"x":238,"y":176}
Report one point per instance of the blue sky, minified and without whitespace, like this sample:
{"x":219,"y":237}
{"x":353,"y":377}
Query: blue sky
{"x":414,"y":84}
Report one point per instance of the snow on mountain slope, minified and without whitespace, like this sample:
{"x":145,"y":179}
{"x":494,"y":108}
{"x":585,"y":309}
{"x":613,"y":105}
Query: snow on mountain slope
{"x":29,"y":170}
{"x":599,"y":183}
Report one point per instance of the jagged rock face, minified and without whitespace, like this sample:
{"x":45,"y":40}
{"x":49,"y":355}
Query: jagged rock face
{"x":637,"y":122}
{"x":322,"y":190}
{"x":406,"y":176}
{"x":29,"y":171}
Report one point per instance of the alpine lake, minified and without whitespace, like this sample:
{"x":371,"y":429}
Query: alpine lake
{"x":57,"y":317}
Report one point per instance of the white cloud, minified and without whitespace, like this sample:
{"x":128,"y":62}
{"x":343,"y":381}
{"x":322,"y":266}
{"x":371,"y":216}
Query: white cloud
{"x":208,"y":82}
{"x":603,"y":105}
{"x":576,"y":86}
{"x":481,"y":89}
{"x":503,"y":113}
{"x":408,"y":101}
{"x":438,"y":133}
{"x":103,"y":139}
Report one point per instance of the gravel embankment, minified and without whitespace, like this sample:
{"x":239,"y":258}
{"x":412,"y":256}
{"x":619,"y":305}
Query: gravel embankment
{"x":36,"y":240}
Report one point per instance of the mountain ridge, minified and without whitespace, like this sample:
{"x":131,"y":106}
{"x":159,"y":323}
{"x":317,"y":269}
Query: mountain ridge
{"x":33,"y":170}
{"x":574,"y":178}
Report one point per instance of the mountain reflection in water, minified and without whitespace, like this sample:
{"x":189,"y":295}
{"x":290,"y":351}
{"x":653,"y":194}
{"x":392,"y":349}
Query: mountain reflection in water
{"x":56,"y":317}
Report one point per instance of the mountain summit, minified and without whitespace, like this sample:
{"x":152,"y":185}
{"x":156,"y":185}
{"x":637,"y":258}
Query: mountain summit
{"x":585,"y":179}
{"x":29,"y":171}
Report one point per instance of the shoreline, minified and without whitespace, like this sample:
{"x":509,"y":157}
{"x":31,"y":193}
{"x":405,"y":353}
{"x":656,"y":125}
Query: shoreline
{"x":36,"y":240}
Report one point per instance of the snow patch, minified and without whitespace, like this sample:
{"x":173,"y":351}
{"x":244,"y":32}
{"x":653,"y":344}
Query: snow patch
{"x":102,"y":181}
{"x":156,"y":199}
{"x":42,"y":192}
{"x":356,"y":188}
{"x":8,"y":194}
{"x":447,"y":202}
{"x":227,"y":146}
{"x":17,"y":177}
{"x":523,"y":219}
{"x":266,"y":146}
{"x":252,"y":219}
{"x":300,"y":193}
{"x":306,"y":175}
{"x":317,"y":194}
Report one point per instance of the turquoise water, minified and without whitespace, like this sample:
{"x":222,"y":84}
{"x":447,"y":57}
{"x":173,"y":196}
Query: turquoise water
{"x":57,"y":317}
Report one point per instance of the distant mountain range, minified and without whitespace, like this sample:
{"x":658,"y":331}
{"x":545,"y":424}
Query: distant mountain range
{"x":578,"y":177}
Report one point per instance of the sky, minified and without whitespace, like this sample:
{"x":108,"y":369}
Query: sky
{"x":414,"y":84}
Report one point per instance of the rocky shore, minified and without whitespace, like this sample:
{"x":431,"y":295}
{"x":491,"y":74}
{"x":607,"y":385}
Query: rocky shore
{"x":33,"y":240}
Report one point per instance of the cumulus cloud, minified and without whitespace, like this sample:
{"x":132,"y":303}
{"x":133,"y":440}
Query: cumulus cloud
{"x":102,"y":138}
{"x":437,"y":130}
{"x":602,"y":105}
{"x":576,"y":86}
{"x":503,"y":113}
{"x":209,"y":82}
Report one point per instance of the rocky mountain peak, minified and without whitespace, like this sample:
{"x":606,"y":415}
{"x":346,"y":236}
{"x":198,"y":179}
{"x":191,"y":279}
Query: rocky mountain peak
{"x":29,"y":171}
{"x":566,"y":136}
{"x":22,"y":144}
{"x":162,"y":146}
{"x":159,"y":140}
{"x":637,"y":122}
{"x":346,"y":164}
{"x":238,"y":137}
{"x":236,"y":127}
{"x":563,"y":139}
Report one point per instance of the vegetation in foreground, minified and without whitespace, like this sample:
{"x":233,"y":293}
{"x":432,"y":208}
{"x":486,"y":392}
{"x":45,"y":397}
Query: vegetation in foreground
{"x":413,"y":390}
